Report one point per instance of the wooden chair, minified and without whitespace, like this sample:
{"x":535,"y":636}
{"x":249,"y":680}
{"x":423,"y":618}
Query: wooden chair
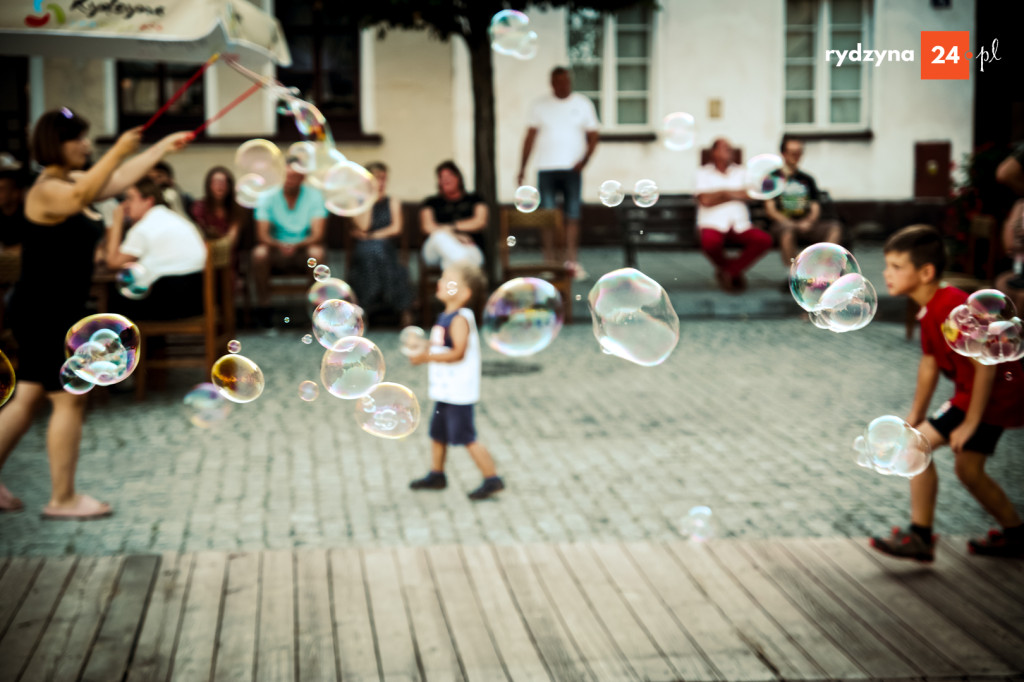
{"x":542,"y":229}
{"x":203,"y":337}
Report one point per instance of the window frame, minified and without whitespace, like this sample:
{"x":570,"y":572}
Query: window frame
{"x":169,"y":121}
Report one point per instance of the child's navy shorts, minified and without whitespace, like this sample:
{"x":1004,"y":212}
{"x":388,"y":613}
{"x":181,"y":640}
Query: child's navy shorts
{"x":985,"y":436}
{"x":452,"y":424}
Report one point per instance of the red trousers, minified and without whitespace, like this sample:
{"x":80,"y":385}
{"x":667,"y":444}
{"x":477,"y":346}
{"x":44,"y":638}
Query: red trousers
{"x":753,"y":241}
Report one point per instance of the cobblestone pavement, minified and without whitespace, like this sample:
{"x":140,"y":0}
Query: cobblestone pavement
{"x":752,"y":418}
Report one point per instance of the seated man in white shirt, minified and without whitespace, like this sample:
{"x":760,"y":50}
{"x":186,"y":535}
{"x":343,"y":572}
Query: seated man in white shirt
{"x":723,"y":218}
{"x":169,"y":249}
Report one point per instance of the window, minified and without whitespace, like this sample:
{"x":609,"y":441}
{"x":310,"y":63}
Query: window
{"x":325,"y":65}
{"x":610,"y":60}
{"x":819,"y":94}
{"x":144,"y":87}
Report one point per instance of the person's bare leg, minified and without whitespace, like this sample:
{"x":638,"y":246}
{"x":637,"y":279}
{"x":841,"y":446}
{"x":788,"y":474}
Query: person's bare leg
{"x":970,"y":469}
{"x":835,"y":233}
{"x":924,"y":488}
{"x":261,"y":273}
{"x":437,"y":455}
{"x":63,"y":438}
{"x":482,"y":458}
{"x":572,"y":239}
{"x":787,"y":244}
{"x":15,"y":419}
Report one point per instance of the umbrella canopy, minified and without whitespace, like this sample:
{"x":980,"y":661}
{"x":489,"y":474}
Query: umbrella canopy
{"x":187,"y":31}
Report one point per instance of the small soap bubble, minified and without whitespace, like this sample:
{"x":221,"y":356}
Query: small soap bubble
{"x":986,"y":328}
{"x":325,"y":158}
{"x":611,"y":193}
{"x":114,"y":348}
{"x":287,"y":320}
{"x":389,"y":410}
{"x":335,"y":319}
{"x":249,"y":188}
{"x":308,"y":118}
{"x":307,"y":339}
{"x":508,"y":31}
{"x":413,"y":341}
{"x":678,"y":131}
{"x":523,"y":316}
{"x":452,"y":288}
{"x":848,"y":304}
{"x":698,"y":524}
{"x":526,"y":199}
{"x":321,"y":273}
{"x":311,"y":262}
{"x":69,"y":379}
{"x":511,"y":241}
{"x":260,"y":167}
{"x":817,"y":268}
{"x":302,"y":157}
{"x":133,"y":281}
{"x":7,"y":379}
{"x":892,"y":447}
{"x":234,"y":345}
{"x":308,"y":391}
{"x":349,"y":189}
{"x":633,"y":317}
{"x":205,"y":405}
{"x":238,"y":378}
{"x":645,"y":193}
{"x":331,"y":288}
{"x":528,"y":46}
{"x":1008,"y":376}
{"x":579,"y":297}
{"x":763,"y":181}
{"x":353,"y":367}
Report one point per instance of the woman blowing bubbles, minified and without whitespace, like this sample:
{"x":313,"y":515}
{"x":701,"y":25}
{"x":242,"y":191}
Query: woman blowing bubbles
{"x":62,"y":237}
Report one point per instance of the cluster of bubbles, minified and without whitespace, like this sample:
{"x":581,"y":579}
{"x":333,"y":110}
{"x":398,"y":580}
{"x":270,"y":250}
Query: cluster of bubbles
{"x":893,"y":447}
{"x":633,"y":317}
{"x":645,"y":193}
{"x":388,"y":410}
{"x":986,"y":328}
{"x":133,"y":281}
{"x":511,"y":35}
{"x":7,"y":379}
{"x":523,"y":316}
{"x":611,"y":193}
{"x":678,"y":131}
{"x":698,"y":525}
{"x":526,"y":199}
{"x":206,"y":406}
{"x":101,"y":350}
{"x":352,"y":367}
{"x":413,"y":341}
{"x":762,"y":179}
{"x":826,"y":281}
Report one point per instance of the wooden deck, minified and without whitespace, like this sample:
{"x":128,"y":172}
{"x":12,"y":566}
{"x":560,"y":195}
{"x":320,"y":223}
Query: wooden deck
{"x":729,"y":610}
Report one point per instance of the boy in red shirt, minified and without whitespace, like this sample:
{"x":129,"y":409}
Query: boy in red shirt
{"x":986,"y":399}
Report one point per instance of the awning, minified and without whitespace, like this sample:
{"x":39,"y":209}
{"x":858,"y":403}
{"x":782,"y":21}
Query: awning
{"x":188,"y":31}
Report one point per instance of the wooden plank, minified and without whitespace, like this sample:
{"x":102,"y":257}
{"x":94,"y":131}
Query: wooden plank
{"x":599,"y":651}
{"x":961,"y":610}
{"x":468,"y":626}
{"x":65,"y":644}
{"x":757,"y":631}
{"x":29,"y":621}
{"x":275,"y":647}
{"x":874,"y":655}
{"x":521,"y":658}
{"x":641,"y":652}
{"x":4,"y":561}
{"x":434,"y":643}
{"x":315,"y":658}
{"x":958,"y":645}
{"x":911,"y":640}
{"x":553,"y":641}
{"x":159,"y":636}
{"x":353,"y":626}
{"x":1008,"y":576}
{"x":236,"y":641}
{"x":819,"y":648}
{"x":1003,"y":598}
{"x":194,"y":654}
{"x":110,"y":653}
{"x":398,"y":657}
{"x":14,"y":587}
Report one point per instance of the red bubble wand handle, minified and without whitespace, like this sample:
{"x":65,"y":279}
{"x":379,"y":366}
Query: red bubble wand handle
{"x":234,"y":103}
{"x":181,"y":91}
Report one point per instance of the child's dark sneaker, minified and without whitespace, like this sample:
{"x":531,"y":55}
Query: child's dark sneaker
{"x":997,"y":544}
{"x":489,"y":487}
{"x":905,"y":545}
{"x":435,"y":480}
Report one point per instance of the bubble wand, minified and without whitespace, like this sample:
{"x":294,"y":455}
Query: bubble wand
{"x":181,"y":91}
{"x":234,"y":103}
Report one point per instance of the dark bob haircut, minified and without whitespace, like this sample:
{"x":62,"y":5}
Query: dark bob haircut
{"x":53,"y":129}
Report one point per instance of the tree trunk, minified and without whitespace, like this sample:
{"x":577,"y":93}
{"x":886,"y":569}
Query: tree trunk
{"x":485,"y":181}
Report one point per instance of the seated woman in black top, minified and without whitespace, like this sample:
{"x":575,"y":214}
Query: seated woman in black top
{"x":453,"y":220}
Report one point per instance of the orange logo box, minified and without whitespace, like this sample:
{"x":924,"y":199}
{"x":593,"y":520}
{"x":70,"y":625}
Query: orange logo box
{"x":945,"y":55}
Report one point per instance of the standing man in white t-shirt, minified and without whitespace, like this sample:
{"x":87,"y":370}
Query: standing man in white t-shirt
{"x":723,"y":218}
{"x":563,"y":126}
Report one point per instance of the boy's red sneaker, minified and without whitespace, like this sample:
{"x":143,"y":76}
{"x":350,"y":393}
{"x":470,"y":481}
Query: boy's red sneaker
{"x":998,"y":545}
{"x":905,"y":544}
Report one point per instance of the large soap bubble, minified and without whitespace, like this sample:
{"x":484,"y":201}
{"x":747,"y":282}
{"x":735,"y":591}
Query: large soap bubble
{"x":611,"y":193}
{"x":893,"y":447}
{"x":7,"y":380}
{"x":633,"y":317}
{"x":817,"y":268}
{"x":762,"y":181}
{"x":511,"y":35}
{"x":523,"y":316}
{"x":388,"y":411}
{"x":239,"y":379}
{"x":335,"y":319}
{"x":986,"y":328}
{"x":849,"y":303}
{"x":116,"y":348}
{"x":133,"y":281}
{"x":677,"y":131}
{"x":206,"y":406}
{"x":645,"y":193}
{"x":349,"y":189}
{"x":331,"y":288}
{"x":413,"y":341}
{"x":316,"y":161}
{"x":352,"y":367}
{"x":260,"y":167}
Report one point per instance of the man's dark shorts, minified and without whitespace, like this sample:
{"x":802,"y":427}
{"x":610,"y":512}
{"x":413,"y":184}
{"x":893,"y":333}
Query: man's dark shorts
{"x":452,"y":424}
{"x":568,"y":183}
{"x":985,"y":436}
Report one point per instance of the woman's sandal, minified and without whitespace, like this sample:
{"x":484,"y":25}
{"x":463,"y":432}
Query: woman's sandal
{"x":8,"y":502}
{"x":84,"y":509}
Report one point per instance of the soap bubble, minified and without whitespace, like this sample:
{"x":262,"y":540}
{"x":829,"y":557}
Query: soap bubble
{"x":239,"y":379}
{"x":248,"y":190}
{"x":645,"y":193}
{"x":325,"y":159}
{"x":677,"y":131}
{"x":816,"y":269}
{"x":508,"y":31}
{"x":309,"y":391}
{"x":311,"y":262}
{"x":698,"y":524}
{"x":119,"y":336}
{"x":321,"y":273}
{"x":633,"y":317}
{"x":234,"y":345}
{"x":611,"y":193}
{"x":7,"y":379}
{"x":101,"y":360}
{"x":413,"y":341}
{"x":206,"y":406}
{"x":331,"y":288}
{"x":891,"y":446}
{"x":452,"y":288}
{"x":133,"y":281}
{"x":335,"y":319}
{"x":349,"y":189}
{"x":388,"y":411}
{"x":69,"y":379}
{"x":849,"y":303}
{"x":762,"y":181}
{"x":352,"y":367}
{"x":986,"y":328}
{"x":308,"y":118}
{"x":528,"y":46}
{"x":307,"y":339}
{"x":523,"y":316}
{"x":526,"y":199}
{"x":261,"y":168}
{"x":302,"y":157}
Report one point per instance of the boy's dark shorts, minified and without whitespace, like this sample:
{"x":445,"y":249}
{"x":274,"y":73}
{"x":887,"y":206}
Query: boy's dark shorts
{"x":452,"y":424}
{"x":985,"y":436}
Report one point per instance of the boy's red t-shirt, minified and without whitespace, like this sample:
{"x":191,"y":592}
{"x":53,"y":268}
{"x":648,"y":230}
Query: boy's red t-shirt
{"x":1006,"y":405}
